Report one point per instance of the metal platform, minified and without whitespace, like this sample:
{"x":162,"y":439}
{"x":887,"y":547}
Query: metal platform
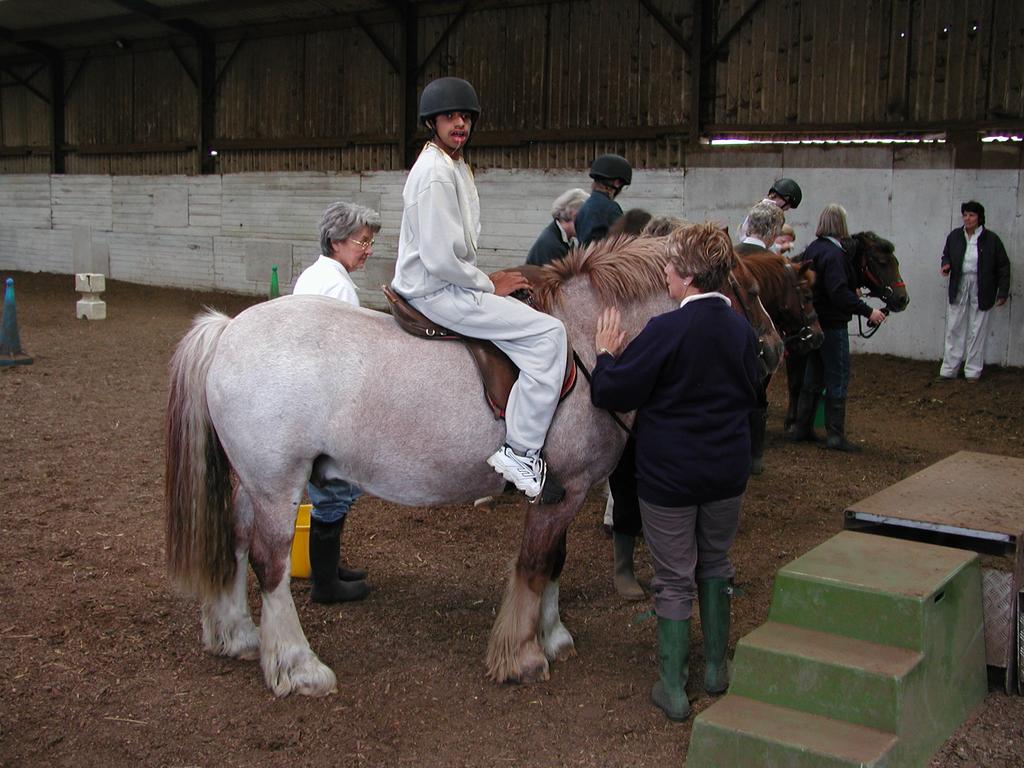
{"x":972,"y":501}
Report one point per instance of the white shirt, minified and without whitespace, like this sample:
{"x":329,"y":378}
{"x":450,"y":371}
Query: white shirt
{"x":971,"y":254}
{"x":440,"y":227}
{"x":708,"y":295}
{"x":751,"y":240}
{"x":327,"y":277}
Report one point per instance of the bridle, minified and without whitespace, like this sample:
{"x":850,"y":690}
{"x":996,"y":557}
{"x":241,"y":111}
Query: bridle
{"x":745,"y":308}
{"x":877,"y":289}
{"x":805,"y":333}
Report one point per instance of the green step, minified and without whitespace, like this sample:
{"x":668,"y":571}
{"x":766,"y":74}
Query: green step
{"x":740,"y":732}
{"x":872,"y":588}
{"x":874,"y":653}
{"x":830,"y":675}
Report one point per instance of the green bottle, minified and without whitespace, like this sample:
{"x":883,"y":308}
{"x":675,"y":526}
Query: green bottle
{"x":275,"y":289}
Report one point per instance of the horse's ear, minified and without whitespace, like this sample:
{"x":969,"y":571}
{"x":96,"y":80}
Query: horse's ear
{"x":807,"y":272}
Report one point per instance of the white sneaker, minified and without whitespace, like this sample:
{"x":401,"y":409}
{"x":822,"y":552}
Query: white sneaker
{"x":524,"y":472}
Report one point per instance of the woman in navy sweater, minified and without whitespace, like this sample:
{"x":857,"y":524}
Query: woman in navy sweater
{"x":692,"y":377}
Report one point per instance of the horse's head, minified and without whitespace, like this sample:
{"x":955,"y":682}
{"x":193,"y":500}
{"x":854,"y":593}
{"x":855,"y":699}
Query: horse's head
{"x":880,"y":269}
{"x":743,"y":290}
{"x":809,"y":336}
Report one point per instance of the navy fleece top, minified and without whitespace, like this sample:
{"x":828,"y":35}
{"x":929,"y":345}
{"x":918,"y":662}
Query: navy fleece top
{"x":595,"y":216}
{"x":692,"y":376}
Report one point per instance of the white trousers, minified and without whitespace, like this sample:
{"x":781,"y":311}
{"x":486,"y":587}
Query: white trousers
{"x":535,"y":342}
{"x":966,"y":328}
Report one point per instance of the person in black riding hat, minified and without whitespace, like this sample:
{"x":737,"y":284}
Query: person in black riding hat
{"x":611,"y":174}
{"x":784,"y":193}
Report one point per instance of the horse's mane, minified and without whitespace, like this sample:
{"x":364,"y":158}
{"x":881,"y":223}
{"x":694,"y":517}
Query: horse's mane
{"x":765,"y":267}
{"x":620,"y":269}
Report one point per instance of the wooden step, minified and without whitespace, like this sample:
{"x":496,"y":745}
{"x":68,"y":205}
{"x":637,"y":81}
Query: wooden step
{"x":740,"y":732}
{"x":831,"y":675}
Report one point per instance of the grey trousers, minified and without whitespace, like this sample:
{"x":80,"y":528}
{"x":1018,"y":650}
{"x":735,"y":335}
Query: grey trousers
{"x":536,"y":343}
{"x":687,"y":544}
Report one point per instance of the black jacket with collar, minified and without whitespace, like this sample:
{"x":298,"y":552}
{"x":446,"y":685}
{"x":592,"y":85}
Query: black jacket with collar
{"x":993,"y":266}
{"x":548,"y":247}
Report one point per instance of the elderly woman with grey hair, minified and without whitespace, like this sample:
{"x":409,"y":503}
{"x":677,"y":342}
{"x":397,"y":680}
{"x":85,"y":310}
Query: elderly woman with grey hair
{"x":692,"y":376}
{"x":347,"y":233}
{"x":764,"y":222}
{"x":560,"y":235}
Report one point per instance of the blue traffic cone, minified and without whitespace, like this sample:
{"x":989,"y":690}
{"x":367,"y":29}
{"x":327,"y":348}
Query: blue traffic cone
{"x":10,"y":341}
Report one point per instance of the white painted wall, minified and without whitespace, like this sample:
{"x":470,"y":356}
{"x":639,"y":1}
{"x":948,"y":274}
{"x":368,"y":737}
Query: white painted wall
{"x":224,"y":232}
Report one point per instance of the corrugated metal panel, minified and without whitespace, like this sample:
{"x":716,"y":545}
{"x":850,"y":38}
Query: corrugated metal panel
{"x":540,"y":68}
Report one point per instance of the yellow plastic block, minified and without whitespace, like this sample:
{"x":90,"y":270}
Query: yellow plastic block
{"x":300,"y":544}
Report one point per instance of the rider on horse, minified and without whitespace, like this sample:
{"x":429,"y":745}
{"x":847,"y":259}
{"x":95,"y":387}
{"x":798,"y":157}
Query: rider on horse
{"x":437,"y":274}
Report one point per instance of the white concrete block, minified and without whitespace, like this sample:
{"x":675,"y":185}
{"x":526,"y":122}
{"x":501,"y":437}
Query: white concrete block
{"x":91,"y":309}
{"x":90,"y":282}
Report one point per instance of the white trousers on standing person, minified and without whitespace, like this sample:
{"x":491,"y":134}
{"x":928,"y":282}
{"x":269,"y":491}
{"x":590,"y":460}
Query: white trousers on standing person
{"x":534,"y":341}
{"x":966,"y":328}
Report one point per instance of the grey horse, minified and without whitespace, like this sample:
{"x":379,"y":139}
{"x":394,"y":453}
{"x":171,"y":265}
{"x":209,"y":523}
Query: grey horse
{"x":305,"y":388}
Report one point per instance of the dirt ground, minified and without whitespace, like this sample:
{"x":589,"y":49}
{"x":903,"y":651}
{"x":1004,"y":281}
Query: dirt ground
{"x":101,"y":658}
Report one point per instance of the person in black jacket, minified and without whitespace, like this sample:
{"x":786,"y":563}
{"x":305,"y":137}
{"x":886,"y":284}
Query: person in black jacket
{"x":836,"y":302}
{"x":978,"y":268}
{"x":692,"y":377}
{"x":559,"y":236}
{"x":611,"y":174}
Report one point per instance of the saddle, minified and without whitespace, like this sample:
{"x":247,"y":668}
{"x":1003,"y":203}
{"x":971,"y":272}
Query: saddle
{"x":497,"y":371}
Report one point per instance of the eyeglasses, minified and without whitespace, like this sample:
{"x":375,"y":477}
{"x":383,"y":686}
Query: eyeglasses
{"x":364,"y":244}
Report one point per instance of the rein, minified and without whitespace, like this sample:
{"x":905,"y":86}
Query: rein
{"x":738,"y":292}
{"x":590,"y":380}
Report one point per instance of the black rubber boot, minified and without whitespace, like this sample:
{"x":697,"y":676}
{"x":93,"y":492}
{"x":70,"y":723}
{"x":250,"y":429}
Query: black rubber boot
{"x":803,"y":427}
{"x":344,"y":572}
{"x":324,"y":554}
{"x":835,"y":426}
{"x":758,"y":425}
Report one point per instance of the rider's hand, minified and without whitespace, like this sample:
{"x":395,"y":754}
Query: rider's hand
{"x":610,"y":337}
{"x":877,"y":317}
{"x":508,"y":281}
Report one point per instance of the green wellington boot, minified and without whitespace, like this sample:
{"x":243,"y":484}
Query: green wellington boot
{"x":669,"y":693}
{"x":624,"y":574}
{"x":713,"y":596}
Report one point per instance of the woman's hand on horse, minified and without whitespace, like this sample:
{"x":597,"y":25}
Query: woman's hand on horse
{"x":877,"y":317}
{"x":508,"y":281}
{"x":610,"y":337}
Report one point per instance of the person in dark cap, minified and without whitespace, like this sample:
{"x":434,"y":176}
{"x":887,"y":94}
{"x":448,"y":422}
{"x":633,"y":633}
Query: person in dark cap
{"x":978,"y":269}
{"x":611,"y":174}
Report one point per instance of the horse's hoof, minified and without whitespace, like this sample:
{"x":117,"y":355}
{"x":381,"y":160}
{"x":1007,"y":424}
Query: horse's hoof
{"x":533,"y":665}
{"x":238,"y":640}
{"x":305,"y":674}
{"x":559,"y":645}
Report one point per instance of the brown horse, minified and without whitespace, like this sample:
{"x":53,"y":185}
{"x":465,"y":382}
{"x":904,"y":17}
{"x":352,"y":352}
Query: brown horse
{"x":785,"y":291}
{"x":743,"y":289}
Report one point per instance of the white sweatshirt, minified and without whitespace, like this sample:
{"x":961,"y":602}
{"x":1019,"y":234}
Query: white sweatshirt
{"x":440,"y":227}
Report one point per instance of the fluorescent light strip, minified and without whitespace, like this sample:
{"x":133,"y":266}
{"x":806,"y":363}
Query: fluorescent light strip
{"x":737,"y":142}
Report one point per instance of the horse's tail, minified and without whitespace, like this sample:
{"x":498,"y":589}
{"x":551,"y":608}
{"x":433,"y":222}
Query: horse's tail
{"x":198,"y":520}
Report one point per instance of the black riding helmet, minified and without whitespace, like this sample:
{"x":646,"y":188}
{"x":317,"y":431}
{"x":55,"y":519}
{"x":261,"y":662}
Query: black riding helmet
{"x":788,"y":190}
{"x":611,"y":167}
{"x":448,"y":94}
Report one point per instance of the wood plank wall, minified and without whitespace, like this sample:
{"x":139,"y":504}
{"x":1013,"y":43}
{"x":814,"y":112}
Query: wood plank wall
{"x":561,"y":81}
